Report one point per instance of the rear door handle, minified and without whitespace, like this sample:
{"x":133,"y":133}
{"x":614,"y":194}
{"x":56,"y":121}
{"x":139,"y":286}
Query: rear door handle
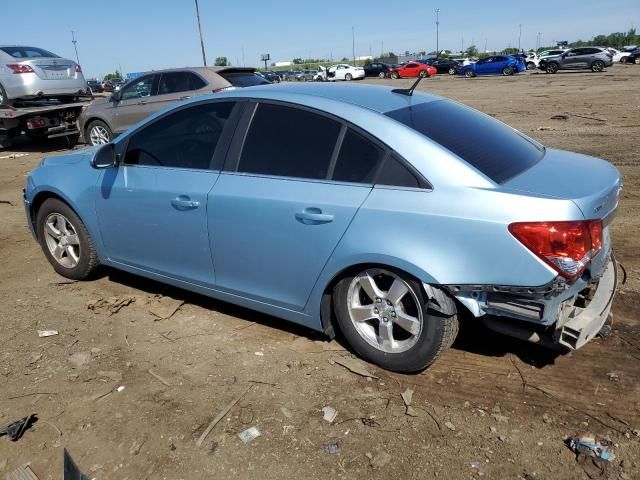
{"x":313,"y":216}
{"x":183,"y":202}
{"x":186,"y":97}
{"x":142,"y":102}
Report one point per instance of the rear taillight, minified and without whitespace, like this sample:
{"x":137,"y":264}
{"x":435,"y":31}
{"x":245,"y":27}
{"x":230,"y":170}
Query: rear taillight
{"x":567,"y":247}
{"x":78,"y":69}
{"x":19,"y":68}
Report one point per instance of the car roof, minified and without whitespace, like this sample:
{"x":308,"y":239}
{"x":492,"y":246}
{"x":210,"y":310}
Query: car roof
{"x":380,"y":99}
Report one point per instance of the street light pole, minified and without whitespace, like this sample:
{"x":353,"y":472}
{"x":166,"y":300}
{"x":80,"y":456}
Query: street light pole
{"x":353,"y":45}
{"x":74,"y":41}
{"x":204,"y":58}
{"x":519,"y":37}
{"x":437,"y":32}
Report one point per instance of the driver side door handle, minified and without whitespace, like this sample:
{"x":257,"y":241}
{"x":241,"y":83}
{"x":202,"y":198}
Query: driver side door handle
{"x":183,"y":202}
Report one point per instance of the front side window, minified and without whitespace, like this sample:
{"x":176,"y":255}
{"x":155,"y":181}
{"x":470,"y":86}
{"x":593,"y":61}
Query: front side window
{"x":142,"y":87}
{"x":358,"y":160}
{"x":184,"y":139}
{"x":289,"y":142}
{"x":495,"y":149}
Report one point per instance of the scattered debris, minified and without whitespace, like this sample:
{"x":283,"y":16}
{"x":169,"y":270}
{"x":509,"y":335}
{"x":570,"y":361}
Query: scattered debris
{"x":450,"y":426}
{"x":163,"y":307}
{"x":475,"y":465}
{"x":588,"y":117}
{"x":500,"y":418}
{"x":158,"y":377}
{"x":111,"y":305}
{"x":329,"y":414}
{"x":35,"y":357}
{"x":8,"y":202}
{"x":542,"y":129}
{"x":23,"y":472}
{"x":111,"y":375}
{"x":286,"y":412}
{"x":136,"y":446}
{"x":259,"y":354}
{"x":249,"y":434}
{"x":546,"y":418}
{"x":353,"y":365}
{"x":220,"y":416}
{"x":332,"y":447}
{"x":14,"y":155}
{"x":47,"y":333}
{"x":379,"y":460}
{"x":79,"y":359}
{"x":407,"y":397}
{"x":592,"y":445}
{"x":613,"y":377}
{"x":559,"y":117}
{"x":16,"y":429}
{"x":120,"y":388}
{"x":304,"y":345}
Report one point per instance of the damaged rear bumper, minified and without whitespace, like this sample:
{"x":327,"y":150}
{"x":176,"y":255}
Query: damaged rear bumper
{"x":558,"y":314}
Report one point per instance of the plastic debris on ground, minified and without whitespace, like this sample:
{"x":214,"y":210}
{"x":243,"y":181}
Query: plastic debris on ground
{"x":249,"y":434}
{"x":23,"y":472}
{"x":47,"y":333}
{"x":353,"y":365}
{"x":329,"y":414}
{"x":16,"y":429}
{"x":332,"y":447}
{"x":593,"y":453}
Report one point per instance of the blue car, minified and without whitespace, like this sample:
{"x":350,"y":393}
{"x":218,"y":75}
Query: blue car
{"x":358,"y":208}
{"x":494,"y":65}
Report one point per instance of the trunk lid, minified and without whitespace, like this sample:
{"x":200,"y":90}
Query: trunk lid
{"x":591,"y":183}
{"x":53,"y":68}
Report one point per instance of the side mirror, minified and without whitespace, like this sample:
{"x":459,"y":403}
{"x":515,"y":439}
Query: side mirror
{"x":105,"y":157}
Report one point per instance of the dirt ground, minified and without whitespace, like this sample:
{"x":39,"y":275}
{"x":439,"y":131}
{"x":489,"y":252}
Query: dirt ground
{"x":491,"y":406}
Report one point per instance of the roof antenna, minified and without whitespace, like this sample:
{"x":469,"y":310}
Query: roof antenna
{"x":407,"y":91}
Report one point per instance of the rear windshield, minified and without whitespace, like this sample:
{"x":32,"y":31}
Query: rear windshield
{"x":497,"y":150}
{"x":244,"y":79}
{"x":28,"y":52}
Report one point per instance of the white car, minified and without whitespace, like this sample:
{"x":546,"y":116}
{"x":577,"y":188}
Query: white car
{"x":532,"y":61}
{"x":343,"y":71}
{"x":618,"y":55}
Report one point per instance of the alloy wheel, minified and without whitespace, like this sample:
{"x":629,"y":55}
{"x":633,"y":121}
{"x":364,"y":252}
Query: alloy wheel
{"x":62,"y":240}
{"x":385,"y":310}
{"x":99,"y":135}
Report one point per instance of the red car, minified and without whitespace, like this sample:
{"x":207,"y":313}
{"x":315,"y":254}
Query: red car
{"x":413,"y":69}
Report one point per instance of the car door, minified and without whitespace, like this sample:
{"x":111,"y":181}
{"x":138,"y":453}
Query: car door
{"x":152,"y":209}
{"x":410,"y":70}
{"x":483,"y":67}
{"x":274,"y":216}
{"x":135,"y":102}
{"x":572,"y":58}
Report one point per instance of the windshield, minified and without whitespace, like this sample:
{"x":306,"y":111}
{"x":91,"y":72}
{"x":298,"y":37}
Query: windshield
{"x":28,"y":52}
{"x":495,"y":149}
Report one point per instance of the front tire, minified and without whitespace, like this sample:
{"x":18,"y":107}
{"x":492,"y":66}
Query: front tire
{"x":531,"y":66}
{"x":637,"y":61}
{"x":381,"y":75}
{"x":423,"y":74}
{"x":348,"y":77}
{"x":98,"y":133}
{"x":452,"y":71}
{"x":65,"y":240}
{"x":385,"y":316}
{"x":623,"y":60}
{"x":552,"y":68}
{"x":469,"y":73}
{"x":395,"y":75}
{"x":506,"y":71}
{"x":597,"y":66}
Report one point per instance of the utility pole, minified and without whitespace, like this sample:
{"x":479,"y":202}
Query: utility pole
{"x":74,"y":41}
{"x":485,"y":44}
{"x":243,"y":56}
{"x":519,"y":37}
{"x":353,"y":44}
{"x":437,"y":32}
{"x":204,"y":57}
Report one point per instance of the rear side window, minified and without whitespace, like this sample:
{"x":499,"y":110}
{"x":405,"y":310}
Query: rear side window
{"x":289,"y":142}
{"x":28,"y":52}
{"x":495,"y":149}
{"x":394,"y":173}
{"x":174,"y":82}
{"x":243,"y":79}
{"x":358,"y":160}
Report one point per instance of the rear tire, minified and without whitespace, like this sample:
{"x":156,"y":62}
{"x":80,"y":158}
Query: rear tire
{"x":452,"y":71}
{"x":98,"y":133}
{"x":395,"y":75}
{"x":423,"y":73}
{"x":400,"y":302}
{"x":597,"y":66}
{"x":531,"y":66}
{"x":65,"y":240}
{"x":506,"y":71}
{"x":469,"y":74}
{"x":4,"y":99}
{"x":637,"y":61}
{"x":348,"y":77}
{"x":623,"y":60}
{"x":381,"y":75}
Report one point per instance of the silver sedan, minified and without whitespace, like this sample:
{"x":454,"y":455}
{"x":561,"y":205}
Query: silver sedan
{"x":30,"y":72}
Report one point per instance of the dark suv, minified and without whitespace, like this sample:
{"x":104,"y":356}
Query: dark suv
{"x":593,"y":58}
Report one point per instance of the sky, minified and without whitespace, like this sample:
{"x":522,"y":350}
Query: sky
{"x":142,"y":35}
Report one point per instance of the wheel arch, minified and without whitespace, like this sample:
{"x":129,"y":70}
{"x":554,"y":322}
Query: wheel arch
{"x":40,"y":198}
{"x":322,"y":300}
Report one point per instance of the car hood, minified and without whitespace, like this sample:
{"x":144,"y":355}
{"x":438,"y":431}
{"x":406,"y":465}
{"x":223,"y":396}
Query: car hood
{"x":70,"y":158}
{"x":591,"y":183}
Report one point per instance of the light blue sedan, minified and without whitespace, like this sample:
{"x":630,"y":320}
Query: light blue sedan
{"x":359,"y":208}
